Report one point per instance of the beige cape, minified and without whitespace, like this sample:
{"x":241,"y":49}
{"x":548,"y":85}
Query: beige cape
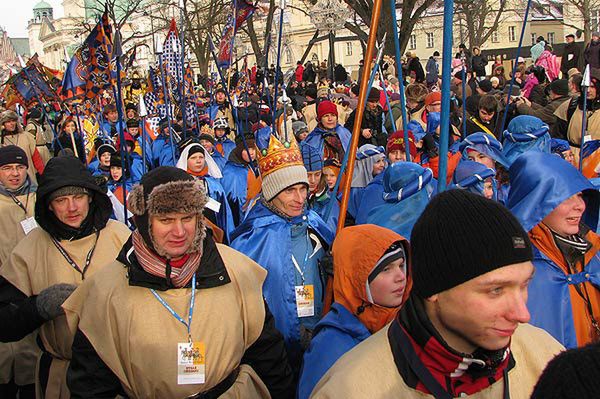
{"x":137,"y":337}
{"x":36,"y":264}
{"x":369,"y":371}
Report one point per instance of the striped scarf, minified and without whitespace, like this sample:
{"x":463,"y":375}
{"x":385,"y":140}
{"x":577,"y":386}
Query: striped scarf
{"x":177,"y":274}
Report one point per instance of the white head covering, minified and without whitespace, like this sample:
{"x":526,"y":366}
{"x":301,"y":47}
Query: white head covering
{"x":366,"y":157}
{"x":213,"y":168}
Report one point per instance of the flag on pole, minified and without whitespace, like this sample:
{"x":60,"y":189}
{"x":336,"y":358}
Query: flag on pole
{"x":30,"y":82}
{"x":240,"y":12}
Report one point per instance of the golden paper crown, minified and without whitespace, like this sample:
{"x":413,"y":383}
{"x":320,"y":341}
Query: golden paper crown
{"x":278,"y":156}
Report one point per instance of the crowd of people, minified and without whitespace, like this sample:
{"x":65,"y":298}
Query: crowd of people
{"x":209,"y":259}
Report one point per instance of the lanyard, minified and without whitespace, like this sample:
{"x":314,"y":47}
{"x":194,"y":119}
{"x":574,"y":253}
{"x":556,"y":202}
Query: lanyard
{"x":188,"y":325}
{"x":308,"y":250}
{"x":68,"y":258}
{"x":19,"y":203}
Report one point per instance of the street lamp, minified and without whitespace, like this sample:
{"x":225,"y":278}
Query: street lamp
{"x":329,"y":16}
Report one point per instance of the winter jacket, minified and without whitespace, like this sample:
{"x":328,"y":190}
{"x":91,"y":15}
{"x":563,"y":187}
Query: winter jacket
{"x":539,"y":183}
{"x":592,"y":54}
{"x":36,"y":264}
{"x":415,"y":68}
{"x":545,"y":113}
{"x":571,"y":58}
{"x":433,"y":70}
{"x":64,"y":142}
{"x":370,"y":120}
{"x":163,"y":152}
{"x":236,"y":175}
{"x":298,"y":73}
{"x":261,"y":227}
{"x":478,"y":63}
{"x":228,"y":298}
{"x":370,"y":371}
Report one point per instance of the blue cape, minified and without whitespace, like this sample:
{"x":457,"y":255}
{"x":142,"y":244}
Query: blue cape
{"x":161,"y":152}
{"x":407,"y":189}
{"x":224,"y":216}
{"x":525,"y":133}
{"x":372,"y":196}
{"x":471,"y":175}
{"x":266,"y":238}
{"x":540,"y":182}
{"x":315,"y":138}
{"x":235,"y":184}
{"x":485,"y":144}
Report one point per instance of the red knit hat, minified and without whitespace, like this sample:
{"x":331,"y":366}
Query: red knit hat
{"x":326,"y":107}
{"x":396,"y":142}
{"x":433,"y":97}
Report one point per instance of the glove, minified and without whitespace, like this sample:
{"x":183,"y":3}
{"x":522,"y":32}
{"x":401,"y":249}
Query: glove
{"x":429,"y":145}
{"x":50,"y":300}
{"x":326,"y":264}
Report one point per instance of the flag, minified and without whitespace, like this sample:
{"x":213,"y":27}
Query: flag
{"x":240,"y":12}
{"x":88,"y":72}
{"x":172,"y":53}
{"x":31,"y":82}
{"x":591,"y":159}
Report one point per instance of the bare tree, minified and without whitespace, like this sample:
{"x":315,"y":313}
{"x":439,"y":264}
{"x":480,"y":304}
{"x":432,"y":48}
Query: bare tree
{"x":481,"y":18}
{"x":259,"y":44}
{"x":583,"y":12}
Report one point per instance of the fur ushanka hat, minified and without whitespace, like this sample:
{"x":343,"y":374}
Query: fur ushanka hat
{"x":167,"y":190}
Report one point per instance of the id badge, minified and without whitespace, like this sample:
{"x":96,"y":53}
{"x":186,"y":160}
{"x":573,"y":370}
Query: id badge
{"x":305,"y":300}
{"x":213,"y":205}
{"x":190,"y":363}
{"x":28,"y":224}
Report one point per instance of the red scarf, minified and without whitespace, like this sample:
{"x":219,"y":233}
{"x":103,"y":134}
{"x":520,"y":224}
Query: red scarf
{"x":202,"y":173}
{"x":180,"y":272}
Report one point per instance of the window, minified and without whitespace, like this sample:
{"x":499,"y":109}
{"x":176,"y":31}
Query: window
{"x":412,"y":43}
{"x":430,"y":40}
{"x":512,"y":37}
{"x":595,"y":20}
{"x":495,"y":37}
{"x":533,"y":37}
{"x":550,"y":37}
{"x":348,"y":48}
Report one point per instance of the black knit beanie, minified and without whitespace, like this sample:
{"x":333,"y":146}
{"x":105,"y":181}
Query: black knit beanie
{"x":460,"y":236}
{"x":574,"y":374}
{"x":13,"y":154}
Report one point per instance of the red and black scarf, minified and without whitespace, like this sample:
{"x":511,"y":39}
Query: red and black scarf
{"x":418,"y":350}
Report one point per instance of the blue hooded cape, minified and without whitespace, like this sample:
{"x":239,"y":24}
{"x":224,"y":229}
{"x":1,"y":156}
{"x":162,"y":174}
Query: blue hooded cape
{"x":471,"y":176}
{"x":485,"y":144}
{"x":337,"y":333}
{"x":525,"y":133}
{"x":161,"y":152}
{"x":407,"y":189}
{"x":541,"y":182}
{"x":235,"y":184}
{"x":371,"y":197}
{"x":266,"y":238}
{"x":315,"y":138}
{"x":224,"y":216}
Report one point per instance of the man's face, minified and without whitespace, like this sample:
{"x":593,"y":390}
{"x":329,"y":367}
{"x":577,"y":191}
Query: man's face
{"x":372,"y":105}
{"x":483,"y":312}
{"x":13,"y":175}
{"x":566,"y":217}
{"x":313,"y":180}
{"x":71,"y":209}
{"x":291,"y":200}
{"x":329,"y":121}
{"x":252,"y":152}
{"x":396,"y":156}
{"x":10,"y":125}
{"x":485,"y":116}
{"x":435,"y":107}
{"x":173,"y":233}
{"x":592,"y":92}
{"x":112,"y":116}
{"x":220,"y":97}
{"x":570,"y":39}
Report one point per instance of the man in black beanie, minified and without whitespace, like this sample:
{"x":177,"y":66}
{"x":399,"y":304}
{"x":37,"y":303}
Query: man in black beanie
{"x":459,"y":333}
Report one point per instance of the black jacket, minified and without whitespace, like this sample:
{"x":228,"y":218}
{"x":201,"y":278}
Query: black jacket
{"x":370,"y":120}
{"x":478,"y":63}
{"x":414,"y":66}
{"x":592,"y":54}
{"x":573,"y":49}
{"x":89,"y":377}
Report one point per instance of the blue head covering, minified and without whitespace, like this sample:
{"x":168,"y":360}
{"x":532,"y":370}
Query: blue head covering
{"x":313,"y":161}
{"x":263,"y":135}
{"x":558,"y":146}
{"x":471,"y":176}
{"x":483,"y":143}
{"x":366,"y":156}
{"x":525,"y":133}
{"x":416,"y":129}
{"x":407,"y":188}
{"x":540,"y":182}
{"x":433,"y":121}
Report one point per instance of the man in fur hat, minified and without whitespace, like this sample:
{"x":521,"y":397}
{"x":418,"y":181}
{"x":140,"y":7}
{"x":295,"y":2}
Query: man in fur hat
{"x":11,"y":133}
{"x":75,"y":239}
{"x":183,"y":316}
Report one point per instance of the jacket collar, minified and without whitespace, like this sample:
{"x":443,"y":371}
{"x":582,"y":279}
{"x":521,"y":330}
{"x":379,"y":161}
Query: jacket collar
{"x":211,"y":270}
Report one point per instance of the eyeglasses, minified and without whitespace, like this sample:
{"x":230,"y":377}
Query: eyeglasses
{"x":9,"y":168}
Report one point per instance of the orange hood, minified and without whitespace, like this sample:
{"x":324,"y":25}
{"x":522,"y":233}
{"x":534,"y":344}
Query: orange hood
{"x":356,"y":251}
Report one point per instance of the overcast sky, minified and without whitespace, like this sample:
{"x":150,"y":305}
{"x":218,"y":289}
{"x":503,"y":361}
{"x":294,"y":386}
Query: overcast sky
{"x":14,"y":14}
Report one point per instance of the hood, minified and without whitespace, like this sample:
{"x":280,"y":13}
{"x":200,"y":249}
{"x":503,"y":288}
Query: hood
{"x":356,"y":251}
{"x":483,"y":143}
{"x":525,"y":133}
{"x":540,"y":182}
{"x":69,"y":171}
{"x":471,"y":176}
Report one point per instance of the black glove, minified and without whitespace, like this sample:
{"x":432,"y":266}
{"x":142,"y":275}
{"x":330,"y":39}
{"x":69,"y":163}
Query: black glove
{"x":429,"y":145}
{"x":326,"y":265}
{"x":50,"y":300}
